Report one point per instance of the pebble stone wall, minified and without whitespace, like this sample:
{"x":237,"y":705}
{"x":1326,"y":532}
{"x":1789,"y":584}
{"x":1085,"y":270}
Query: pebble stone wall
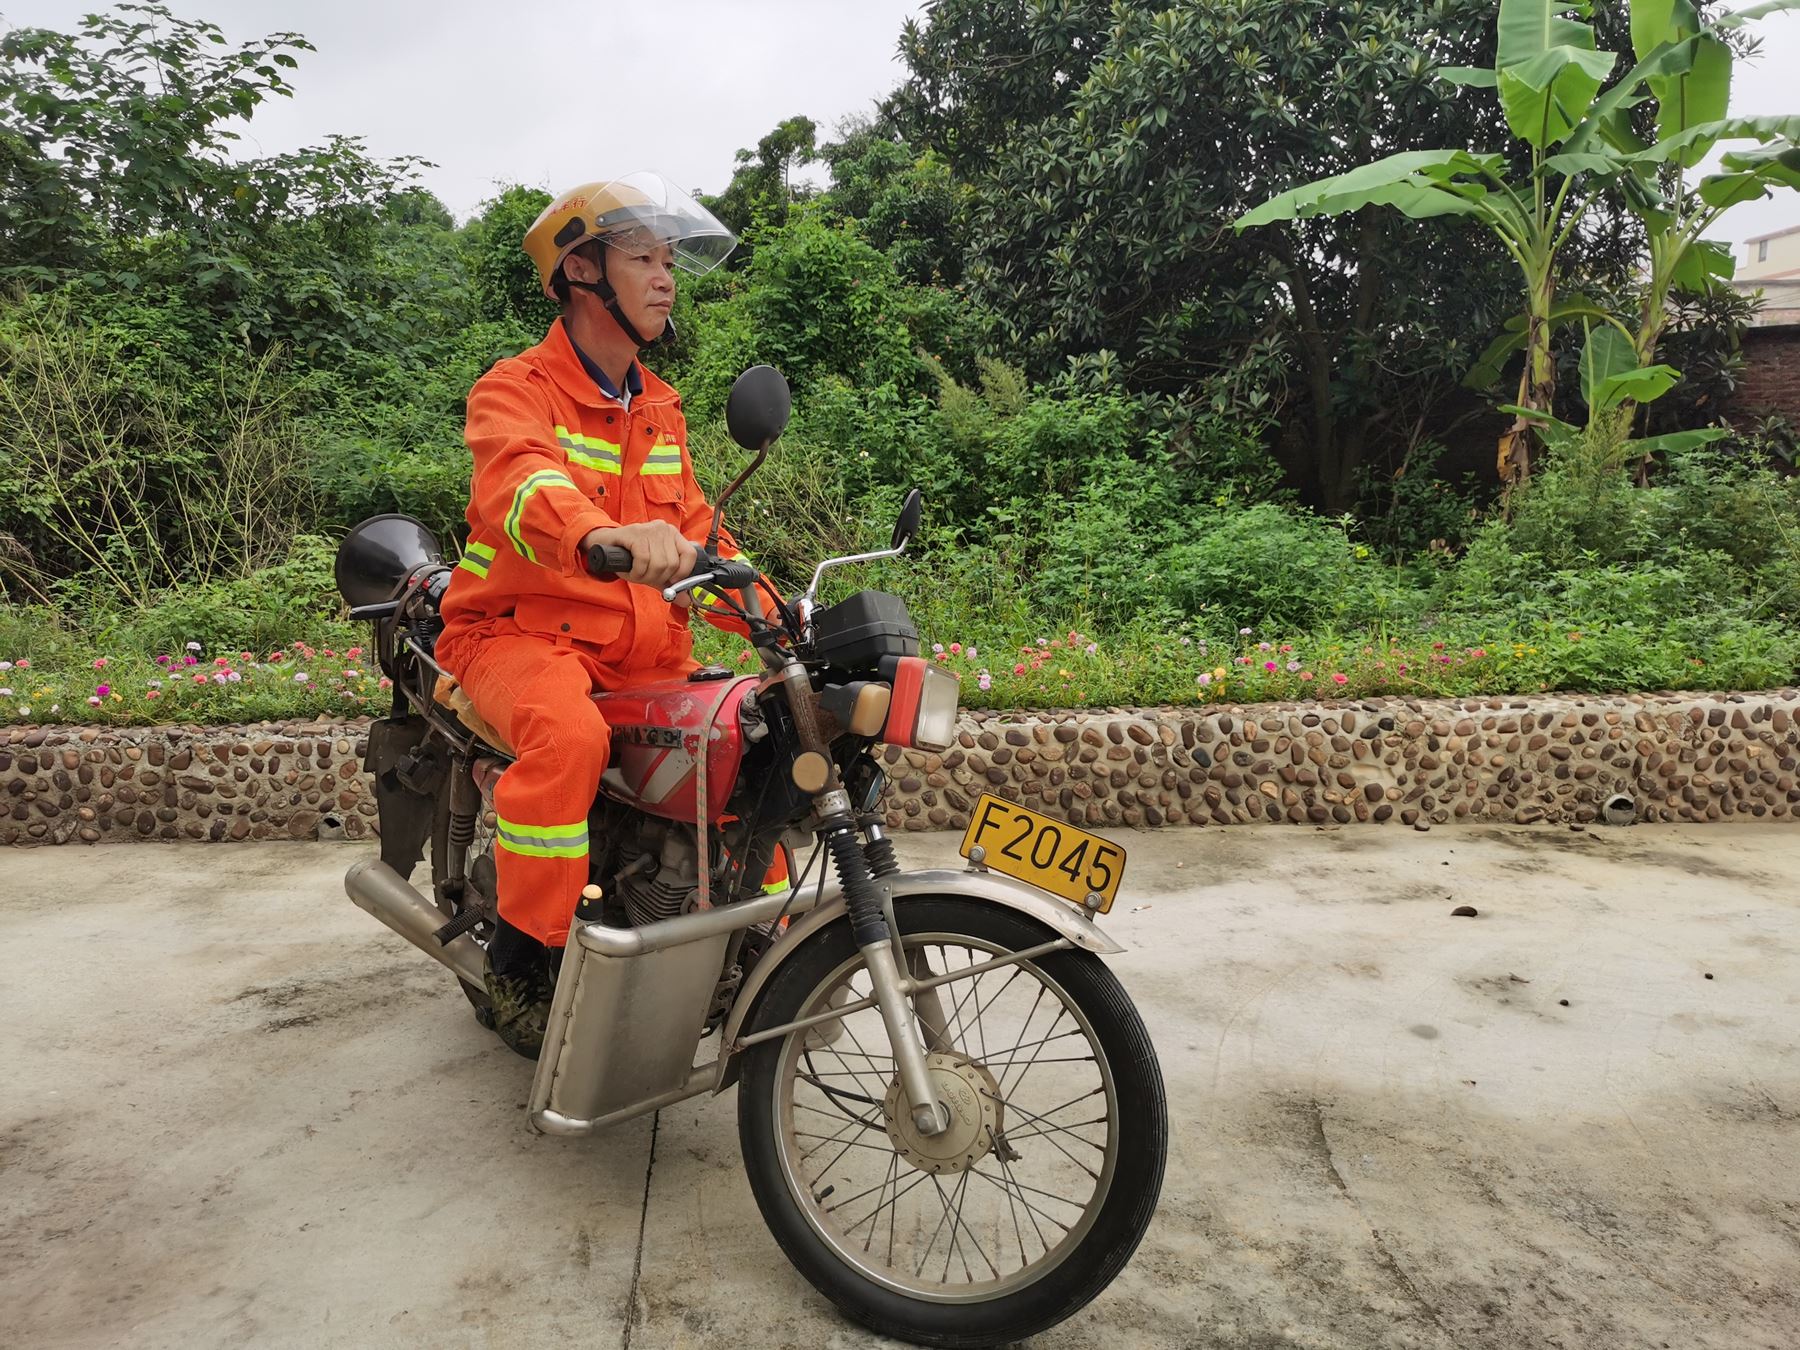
{"x":1558,"y":759}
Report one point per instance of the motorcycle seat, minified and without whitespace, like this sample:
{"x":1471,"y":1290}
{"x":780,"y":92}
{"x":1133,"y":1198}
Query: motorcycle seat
{"x":449,"y":694}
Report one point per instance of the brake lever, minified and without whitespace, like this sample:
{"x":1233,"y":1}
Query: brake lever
{"x":687,"y":584}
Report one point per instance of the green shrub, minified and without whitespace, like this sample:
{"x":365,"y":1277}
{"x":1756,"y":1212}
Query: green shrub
{"x":1268,"y":568}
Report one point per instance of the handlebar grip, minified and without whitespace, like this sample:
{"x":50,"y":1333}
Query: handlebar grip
{"x":606,"y":561}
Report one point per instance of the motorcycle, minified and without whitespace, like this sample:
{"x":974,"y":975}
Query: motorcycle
{"x":950,"y":1113}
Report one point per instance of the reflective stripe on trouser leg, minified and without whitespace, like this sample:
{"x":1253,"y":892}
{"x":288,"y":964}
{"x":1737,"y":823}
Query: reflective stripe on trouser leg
{"x":542,"y":841}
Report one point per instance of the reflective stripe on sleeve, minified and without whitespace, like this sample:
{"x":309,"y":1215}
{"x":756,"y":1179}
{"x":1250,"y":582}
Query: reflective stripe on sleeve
{"x":542,"y":841}
{"x":543,"y":478}
{"x":477,"y":559}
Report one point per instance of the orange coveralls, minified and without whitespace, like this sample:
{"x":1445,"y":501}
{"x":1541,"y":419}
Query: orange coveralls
{"x":528,"y":633}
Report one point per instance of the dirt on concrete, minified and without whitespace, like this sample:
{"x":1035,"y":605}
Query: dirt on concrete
{"x":238,"y":1111}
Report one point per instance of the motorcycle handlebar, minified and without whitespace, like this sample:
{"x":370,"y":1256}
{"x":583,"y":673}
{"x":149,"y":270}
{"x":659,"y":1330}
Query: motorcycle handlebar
{"x":607,"y":562}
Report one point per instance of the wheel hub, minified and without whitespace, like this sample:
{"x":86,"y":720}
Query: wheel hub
{"x":972,"y":1098}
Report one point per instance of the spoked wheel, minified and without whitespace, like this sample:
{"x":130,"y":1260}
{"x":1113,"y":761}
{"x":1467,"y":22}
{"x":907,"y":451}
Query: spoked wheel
{"x":1037,"y":1194}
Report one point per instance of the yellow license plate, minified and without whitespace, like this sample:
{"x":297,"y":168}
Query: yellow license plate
{"x":1053,"y":856}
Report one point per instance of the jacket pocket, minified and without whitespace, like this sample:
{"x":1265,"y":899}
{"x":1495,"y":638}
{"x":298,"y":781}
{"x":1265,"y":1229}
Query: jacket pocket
{"x":555,"y":617}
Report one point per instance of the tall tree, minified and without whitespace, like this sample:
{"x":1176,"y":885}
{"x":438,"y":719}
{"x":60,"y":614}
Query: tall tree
{"x":1112,"y":144}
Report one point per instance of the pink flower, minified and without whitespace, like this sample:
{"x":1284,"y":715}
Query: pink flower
{"x":1339,"y":677}
{"x":246,"y":656}
{"x":154,"y":693}
{"x":386,"y":683}
{"x":22,"y":664}
{"x":943,"y":656}
{"x":99,"y":663}
{"x":93,"y":702}
{"x":276,"y":656}
{"x":956,"y":648}
{"x":1268,"y":665}
{"x":1287,"y":646}
{"x":1305,"y":675}
{"x":1018,"y":670}
{"x":937,"y":649}
{"x":103,"y":690}
{"x":218,"y":677}
{"x":985,"y":682}
{"x":162,"y":660}
{"x":221,"y":660}
{"x":972,"y":653}
{"x":353,"y":653}
{"x":190,"y":660}
{"x":199,"y":679}
{"x":1203,"y":679}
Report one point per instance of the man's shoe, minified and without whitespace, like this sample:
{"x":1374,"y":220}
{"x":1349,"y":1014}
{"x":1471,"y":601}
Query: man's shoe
{"x":520,"y":1012}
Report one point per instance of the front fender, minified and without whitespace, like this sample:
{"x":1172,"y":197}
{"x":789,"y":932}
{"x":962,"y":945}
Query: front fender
{"x":1054,"y":914}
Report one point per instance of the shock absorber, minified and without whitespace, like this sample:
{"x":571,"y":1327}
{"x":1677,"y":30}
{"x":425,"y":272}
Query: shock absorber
{"x":868,"y":924}
{"x":878,"y":849}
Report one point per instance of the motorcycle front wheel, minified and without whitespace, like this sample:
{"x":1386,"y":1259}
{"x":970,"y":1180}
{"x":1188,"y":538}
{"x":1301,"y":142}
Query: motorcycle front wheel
{"x":1038,"y":1193}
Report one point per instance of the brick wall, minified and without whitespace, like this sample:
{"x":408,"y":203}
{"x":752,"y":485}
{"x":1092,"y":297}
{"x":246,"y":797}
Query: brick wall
{"x":1772,"y":372}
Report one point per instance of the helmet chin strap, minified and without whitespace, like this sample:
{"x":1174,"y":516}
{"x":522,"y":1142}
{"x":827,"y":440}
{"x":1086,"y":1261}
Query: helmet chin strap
{"x":610,"y":298}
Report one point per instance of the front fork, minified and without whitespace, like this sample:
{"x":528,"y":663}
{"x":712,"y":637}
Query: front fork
{"x":896,"y":995}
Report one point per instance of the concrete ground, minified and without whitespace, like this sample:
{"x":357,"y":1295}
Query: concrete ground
{"x":236,"y":1111}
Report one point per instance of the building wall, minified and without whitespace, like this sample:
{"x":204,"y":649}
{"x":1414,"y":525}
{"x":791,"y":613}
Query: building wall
{"x":1776,"y":256}
{"x":1771,"y":380}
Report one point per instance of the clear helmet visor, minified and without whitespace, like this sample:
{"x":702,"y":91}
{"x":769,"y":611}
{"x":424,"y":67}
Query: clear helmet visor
{"x":652,"y":211}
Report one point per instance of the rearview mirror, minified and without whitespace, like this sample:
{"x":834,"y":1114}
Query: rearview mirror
{"x":908,"y":524}
{"x":757,"y":411}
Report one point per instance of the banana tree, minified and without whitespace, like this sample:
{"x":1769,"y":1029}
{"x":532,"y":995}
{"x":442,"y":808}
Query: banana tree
{"x":1548,"y":76}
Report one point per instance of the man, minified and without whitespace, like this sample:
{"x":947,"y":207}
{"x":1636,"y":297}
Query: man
{"x":575,"y":444}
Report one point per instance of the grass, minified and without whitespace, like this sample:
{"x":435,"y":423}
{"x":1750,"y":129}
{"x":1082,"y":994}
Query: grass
{"x":52,"y":674}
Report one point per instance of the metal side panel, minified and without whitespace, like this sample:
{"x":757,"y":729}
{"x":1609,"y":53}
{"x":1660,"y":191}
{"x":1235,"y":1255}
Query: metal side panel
{"x":623,"y":1032}
{"x":1057,"y":915}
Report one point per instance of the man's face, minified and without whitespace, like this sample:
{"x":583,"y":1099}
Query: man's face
{"x":642,"y":271}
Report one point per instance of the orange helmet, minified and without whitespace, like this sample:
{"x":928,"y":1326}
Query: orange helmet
{"x":644,"y":201}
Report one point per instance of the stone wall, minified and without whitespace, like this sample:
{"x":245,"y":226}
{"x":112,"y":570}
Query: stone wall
{"x":1553,"y":758}
{"x":268,"y":781}
{"x":1549,"y":758}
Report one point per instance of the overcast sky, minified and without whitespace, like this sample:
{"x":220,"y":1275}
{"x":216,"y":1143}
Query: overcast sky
{"x":550,"y":93}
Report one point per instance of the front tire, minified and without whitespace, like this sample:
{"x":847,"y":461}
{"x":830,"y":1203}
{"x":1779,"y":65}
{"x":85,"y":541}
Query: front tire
{"x":1077,"y":1218}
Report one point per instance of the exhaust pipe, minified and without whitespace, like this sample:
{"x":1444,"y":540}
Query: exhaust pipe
{"x":383,"y":892}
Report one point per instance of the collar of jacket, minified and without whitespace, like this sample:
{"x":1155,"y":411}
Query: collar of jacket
{"x":557,"y":356}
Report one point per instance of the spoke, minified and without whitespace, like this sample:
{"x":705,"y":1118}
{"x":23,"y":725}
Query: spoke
{"x":832,"y":1139}
{"x":898,"y":1196}
{"x":861,"y":1086}
{"x":1026,"y":1045}
{"x":942,"y":1218}
{"x":1025,"y":1030}
{"x":1061,"y":1012}
{"x":892,"y":1168}
{"x":1010,"y":1187}
{"x":1022,"y":1188}
{"x":1012,"y":1138}
{"x":954,"y":1248}
{"x":851,"y":1032}
{"x":962,"y":1187}
{"x":836,"y":1093}
{"x":867,"y":1122}
{"x":1073,"y":1101}
{"x":981,"y":1007}
{"x":1057,"y":1146}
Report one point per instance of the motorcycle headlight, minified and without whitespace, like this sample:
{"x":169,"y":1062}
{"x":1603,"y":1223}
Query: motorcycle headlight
{"x":922,"y":714}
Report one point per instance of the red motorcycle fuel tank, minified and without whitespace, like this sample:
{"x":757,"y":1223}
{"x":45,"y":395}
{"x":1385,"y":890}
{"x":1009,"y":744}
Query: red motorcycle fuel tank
{"x":657,"y":733}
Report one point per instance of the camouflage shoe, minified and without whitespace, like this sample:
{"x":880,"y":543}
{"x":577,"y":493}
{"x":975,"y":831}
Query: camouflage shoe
{"x":520,"y":1011}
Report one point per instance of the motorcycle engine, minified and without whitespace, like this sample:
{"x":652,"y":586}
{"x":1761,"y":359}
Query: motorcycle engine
{"x":659,"y":875}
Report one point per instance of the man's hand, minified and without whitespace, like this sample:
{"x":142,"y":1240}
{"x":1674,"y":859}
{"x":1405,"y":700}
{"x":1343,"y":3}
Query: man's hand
{"x":660,"y":556}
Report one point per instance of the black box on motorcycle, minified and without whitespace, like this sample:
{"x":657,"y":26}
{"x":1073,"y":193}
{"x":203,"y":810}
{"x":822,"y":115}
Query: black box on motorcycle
{"x":855,"y":634}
